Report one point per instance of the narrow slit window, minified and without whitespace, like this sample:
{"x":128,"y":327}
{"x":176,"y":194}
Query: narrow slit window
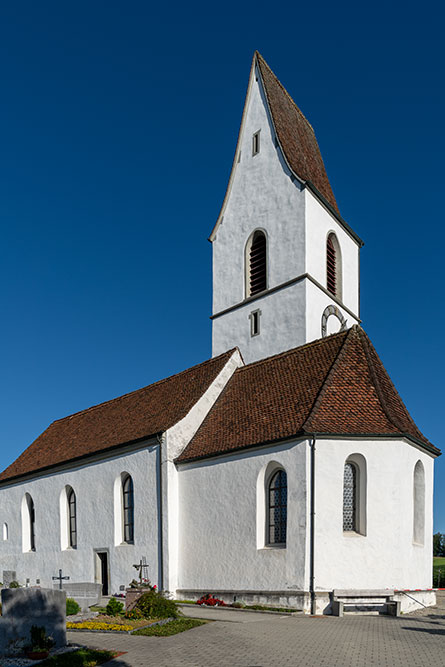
{"x":255,"y":322}
{"x":256,"y":143}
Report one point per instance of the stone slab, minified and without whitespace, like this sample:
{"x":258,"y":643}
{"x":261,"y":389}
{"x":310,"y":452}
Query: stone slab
{"x":85,"y":593}
{"x":8,"y":576}
{"x":363,"y":592}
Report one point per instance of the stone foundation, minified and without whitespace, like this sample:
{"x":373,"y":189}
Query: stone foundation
{"x":301,"y":600}
{"x":413,"y":600}
{"x":291,"y":599}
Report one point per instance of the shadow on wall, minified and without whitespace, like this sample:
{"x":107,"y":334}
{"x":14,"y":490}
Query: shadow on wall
{"x":25,"y":607}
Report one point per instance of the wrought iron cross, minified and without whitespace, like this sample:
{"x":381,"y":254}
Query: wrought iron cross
{"x":141,"y":566}
{"x":59,"y":578}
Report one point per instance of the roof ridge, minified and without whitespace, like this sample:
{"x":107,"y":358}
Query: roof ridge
{"x":312,"y":343}
{"x":366,"y":344}
{"x":326,"y":382}
{"x":135,"y":391}
{"x":259,"y":56}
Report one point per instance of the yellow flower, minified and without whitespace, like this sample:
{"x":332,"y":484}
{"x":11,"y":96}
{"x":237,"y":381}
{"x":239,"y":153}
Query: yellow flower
{"x":91,"y":625}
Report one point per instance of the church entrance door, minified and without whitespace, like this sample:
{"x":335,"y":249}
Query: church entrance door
{"x":101,"y":570}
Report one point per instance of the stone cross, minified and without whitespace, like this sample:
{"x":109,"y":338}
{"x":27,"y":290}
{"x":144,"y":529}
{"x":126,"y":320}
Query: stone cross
{"x":59,"y":578}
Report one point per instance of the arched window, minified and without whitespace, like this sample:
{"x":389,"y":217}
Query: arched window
{"x":28,"y":524}
{"x":128,"y":508}
{"x":5,"y":531}
{"x":277,"y":508}
{"x":72,"y":515}
{"x":350,"y":497}
{"x":256,"y":263}
{"x":355,"y":494}
{"x":333,"y":266}
{"x":419,"y":504}
{"x":68,"y":518}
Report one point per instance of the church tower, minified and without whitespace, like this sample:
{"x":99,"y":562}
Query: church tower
{"x":285,"y":263}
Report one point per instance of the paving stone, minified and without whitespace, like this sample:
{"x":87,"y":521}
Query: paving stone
{"x":355,"y":641}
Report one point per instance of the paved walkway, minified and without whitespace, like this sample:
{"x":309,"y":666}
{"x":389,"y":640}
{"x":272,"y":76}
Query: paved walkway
{"x":266,"y":640}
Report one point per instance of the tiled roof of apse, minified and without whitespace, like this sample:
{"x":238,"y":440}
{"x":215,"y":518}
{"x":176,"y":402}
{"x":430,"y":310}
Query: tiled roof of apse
{"x":333,"y":386}
{"x":126,"y":419}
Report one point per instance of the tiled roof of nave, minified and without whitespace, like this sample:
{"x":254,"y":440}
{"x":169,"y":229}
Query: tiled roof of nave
{"x":132,"y":417}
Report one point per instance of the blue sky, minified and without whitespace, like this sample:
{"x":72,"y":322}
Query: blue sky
{"x":118,"y":125}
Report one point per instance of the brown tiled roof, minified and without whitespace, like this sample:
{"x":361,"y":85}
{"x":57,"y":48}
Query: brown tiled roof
{"x":126,"y":419}
{"x":295,"y":134}
{"x":336,"y":385}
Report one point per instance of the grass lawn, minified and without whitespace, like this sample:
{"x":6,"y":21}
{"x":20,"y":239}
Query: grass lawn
{"x":439,"y":579}
{"x":171,"y":628}
{"x":121,"y":620}
{"x":82,"y":658}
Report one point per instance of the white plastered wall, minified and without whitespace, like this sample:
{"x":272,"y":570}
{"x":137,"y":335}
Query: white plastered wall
{"x":319,"y":223}
{"x":93,"y":484}
{"x":218,"y":523}
{"x":282,"y":325}
{"x":174,"y":442}
{"x":386,"y":557}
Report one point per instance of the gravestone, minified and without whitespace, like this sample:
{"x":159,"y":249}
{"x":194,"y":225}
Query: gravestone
{"x":25,"y":607}
{"x":8,"y":576}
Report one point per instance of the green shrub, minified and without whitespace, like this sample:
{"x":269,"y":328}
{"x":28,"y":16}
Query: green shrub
{"x":71,"y":607}
{"x":14,"y":584}
{"x":114,"y":607}
{"x":155,"y":605}
{"x":84,"y":657}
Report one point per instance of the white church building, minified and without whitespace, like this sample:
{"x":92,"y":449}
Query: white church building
{"x":284,"y":468}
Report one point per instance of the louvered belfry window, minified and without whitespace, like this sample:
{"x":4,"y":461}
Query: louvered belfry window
{"x":331,"y":267}
{"x":258,"y":276}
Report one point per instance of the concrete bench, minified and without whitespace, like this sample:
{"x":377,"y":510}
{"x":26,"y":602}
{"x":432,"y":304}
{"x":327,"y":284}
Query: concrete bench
{"x":365,"y":600}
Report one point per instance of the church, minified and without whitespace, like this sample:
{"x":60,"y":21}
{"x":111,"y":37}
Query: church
{"x":283,"y":469}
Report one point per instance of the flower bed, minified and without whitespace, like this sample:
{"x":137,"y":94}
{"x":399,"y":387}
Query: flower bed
{"x":94,"y":625}
{"x":104,"y":622}
{"x":209,"y":601}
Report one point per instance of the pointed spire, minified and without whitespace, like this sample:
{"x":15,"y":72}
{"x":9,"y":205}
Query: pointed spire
{"x":295,"y":134}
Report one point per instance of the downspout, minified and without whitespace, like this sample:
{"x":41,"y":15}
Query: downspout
{"x":312,"y":530}
{"x":160,"y":439}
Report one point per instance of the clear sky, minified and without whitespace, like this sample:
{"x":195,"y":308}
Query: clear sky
{"x":118,"y":125}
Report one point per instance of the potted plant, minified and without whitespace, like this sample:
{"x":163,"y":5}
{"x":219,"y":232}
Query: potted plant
{"x":40,"y":644}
